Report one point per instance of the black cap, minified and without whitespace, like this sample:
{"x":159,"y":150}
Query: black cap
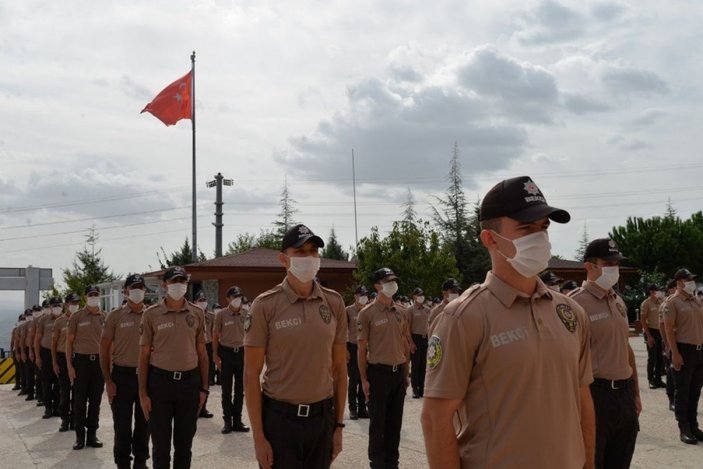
{"x":603,"y":248}
{"x":234,"y":291}
{"x":200,"y":296}
{"x":91,"y":289}
{"x":451,"y":284}
{"x":373,"y":295}
{"x":299,"y":235}
{"x":55,"y":301}
{"x":520,"y":199}
{"x":45,"y":303}
{"x":570,"y":285}
{"x":216,"y":306}
{"x":72,"y":297}
{"x":684,"y":274}
{"x":549,"y":277}
{"x":175,"y":272}
{"x":134,"y":279}
{"x":418,"y":292}
{"x":36,"y":308}
{"x":652,"y":287}
{"x":384,"y":273}
{"x":361,"y":290}
{"x":28,"y":312}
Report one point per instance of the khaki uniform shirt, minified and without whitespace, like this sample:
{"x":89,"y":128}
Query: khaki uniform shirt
{"x":122,"y":328}
{"x":385,"y":328}
{"x":610,"y":331}
{"x":230,"y":327}
{"x":685,"y":313}
{"x":60,"y":331}
{"x":435,"y":312}
{"x":419,"y":319}
{"x":173,"y":335}
{"x":45,"y":330}
{"x":649,"y":312}
{"x":87,"y":329}
{"x":22,"y":334}
{"x":352,"y":314}
{"x":518,"y":363}
{"x":209,"y":322}
{"x":29,"y":331}
{"x":298,"y":335}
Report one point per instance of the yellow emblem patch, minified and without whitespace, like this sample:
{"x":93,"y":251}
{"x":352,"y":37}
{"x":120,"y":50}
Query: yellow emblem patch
{"x":567,"y":316}
{"x":434,"y":351}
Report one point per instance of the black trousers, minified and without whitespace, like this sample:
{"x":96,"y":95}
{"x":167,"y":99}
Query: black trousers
{"x":19,"y":370}
{"x":87,"y":392}
{"x":211,"y":364}
{"x":39,"y":393}
{"x":616,"y":426}
{"x":419,"y":363}
{"x":688,"y":381}
{"x":126,"y":410}
{"x":50,"y":382}
{"x":65,"y":389}
{"x":386,"y":400}
{"x":299,"y":442}
{"x":28,"y":374}
{"x":655,"y":359}
{"x":670,"y":385}
{"x":355,"y":392}
{"x":174,"y":412}
{"x":232,"y":375}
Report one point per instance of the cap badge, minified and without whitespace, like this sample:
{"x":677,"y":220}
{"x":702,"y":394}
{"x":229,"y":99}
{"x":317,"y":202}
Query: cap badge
{"x":325,"y":313}
{"x":303,"y":230}
{"x":434,"y":351}
{"x":531,"y":188}
{"x":567,"y":316}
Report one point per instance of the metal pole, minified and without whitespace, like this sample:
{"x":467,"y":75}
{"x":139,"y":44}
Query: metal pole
{"x":192,"y":120}
{"x":356,"y":229}
{"x":218,"y":215}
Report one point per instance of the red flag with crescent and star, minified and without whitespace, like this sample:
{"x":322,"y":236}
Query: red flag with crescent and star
{"x":173,"y":103}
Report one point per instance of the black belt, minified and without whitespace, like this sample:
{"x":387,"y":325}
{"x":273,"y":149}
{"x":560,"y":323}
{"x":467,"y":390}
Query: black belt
{"x":613,"y":383}
{"x":86,"y":356}
{"x":388,"y":368}
{"x":297,"y":410}
{"x":174,"y":375}
{"x":124,"y":369}
{"x":232,"y":349}
{"x":420,"y":336}
{"x":696,"y":347}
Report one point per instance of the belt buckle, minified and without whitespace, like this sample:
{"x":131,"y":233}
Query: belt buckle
{"x":177,"y":375}
{"x":699,"y":347}
{"x":612,"y":385}
{"x":92,"y":358}
{"x":395,"y":368}
{"x":303,"y":410}
{"x":236,"y":349}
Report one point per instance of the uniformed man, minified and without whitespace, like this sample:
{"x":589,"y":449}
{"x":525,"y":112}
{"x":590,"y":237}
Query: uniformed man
{"x":510,"y":358}
{"x":383,"y":365}
{"x":418,"y":321}
{"x":551,"y":280}
{"x":615,"y":388}
{"x":201,"y":301}
{"x":83,"y":362}
{"x":58,"y":356}
{"x":173,"y":371}
{"x":670,"y":386}
{"x":683,"y":322}
{"x":569,"y":286}
{"x":450,"y":292}
{"x":228,"y":340}
{"x":119,"y":358}
{"x":356,"y":399}
{"x":39,"y":388}
{"x":299,"y":330}
{"x":42,"y":352}
{"x":649,"y":317}
{"x":26,"y":340}
{"x":17,"y":349}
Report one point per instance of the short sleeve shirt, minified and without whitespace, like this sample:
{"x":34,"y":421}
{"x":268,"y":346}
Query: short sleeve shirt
{"x":229,"y":326}
{"x":46,"y":330}
{"x":86,"y":328}
{"x":419,"y":319}
{"x":352,"y":313}
{"x":385,"y":328}
{"x":29,"y":331}
{"x":60,"y":332}
{"x":685,"y":314}
{"x":209,"y":322}
{"x":610,"y":331}
{"x":298,"y":335}
{"x":649,"y":312}
{"x":173,"y":335}
{"x":517,"y":362}
{"x":122,"y":328}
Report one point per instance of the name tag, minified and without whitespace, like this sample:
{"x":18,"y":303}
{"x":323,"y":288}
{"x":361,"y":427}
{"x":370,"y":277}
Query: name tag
{"x":508,"y":337}
{"x":229,"y":323}
{"x":599,"y":316}
{"x":287,"y":323}
{"x":165,"y":325}
{"x":380,"y":322}
{"x":81,"y":324}
{"x":127,"y":324}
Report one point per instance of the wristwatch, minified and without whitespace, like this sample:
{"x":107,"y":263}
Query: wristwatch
{"x":339,"y":425}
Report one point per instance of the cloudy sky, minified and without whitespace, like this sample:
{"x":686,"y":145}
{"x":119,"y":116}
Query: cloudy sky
{"x":600,"y":102}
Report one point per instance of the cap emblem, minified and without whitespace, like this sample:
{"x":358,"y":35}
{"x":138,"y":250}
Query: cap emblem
{"x":534,"y":194}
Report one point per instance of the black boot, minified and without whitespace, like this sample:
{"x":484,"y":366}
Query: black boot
{"x":686,"y":435}
{"x":205,"y":414}
{"x":30,"y":397}
{"x":64,"y":425}
{"x":92,"y":439}
{"x":80,"y":439}
{"x":353,"y":414}
{"x":228,"y":426}
{"x":696,"y":432}
{"x":47,"y":414}
{"x":139,"y":465}
{"x":238,"y":426}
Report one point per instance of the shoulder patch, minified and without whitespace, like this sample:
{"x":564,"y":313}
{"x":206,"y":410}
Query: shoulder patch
{"x":434,"y":351}
{"x":247,"y":322}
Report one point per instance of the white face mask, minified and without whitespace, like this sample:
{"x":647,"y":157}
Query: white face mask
{"x":246,"y":307}
{"x":689,"y":287}
{"x":659,"y":295}
{"x":609,"y":276}
{"x":452,"y":296}
{"x":136,"y":295}
{"x":202,"y":304}
{"x":362,"y":300}
{"x":304,"y":268}
{"x":532,"y":253}
{"x":217,"y":310}
{"x":56,"y":310}
{"x":45,"y":311}
{"x":177,"y":290}
{"x":73,"y":308}
{"x":389,"y":289}
{"x":420,"y":299}
{"x":235,"y":303}
{"x":93,"y":301}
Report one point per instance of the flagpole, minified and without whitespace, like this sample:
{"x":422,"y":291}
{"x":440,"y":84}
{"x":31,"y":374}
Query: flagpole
{"x":192,"y":113}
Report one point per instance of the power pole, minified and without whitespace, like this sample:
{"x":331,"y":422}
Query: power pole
{"x":217,"y":184}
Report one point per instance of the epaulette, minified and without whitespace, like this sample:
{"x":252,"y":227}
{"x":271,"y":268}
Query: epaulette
{"x":464,"y":300}
{"x":152,"y":307}
{"x":575,"y":291}
{"x":267,"y":294}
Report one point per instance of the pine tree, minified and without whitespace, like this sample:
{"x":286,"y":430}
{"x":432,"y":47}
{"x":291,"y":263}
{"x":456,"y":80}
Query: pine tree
{"x":670,"y":210}
{"x":583,"y":243}
{"x":409,"y":213}
{"x":285,"y":219}
{"x":334,"y":250}
{"x":88,"y":267}
{"x":181,"y":257}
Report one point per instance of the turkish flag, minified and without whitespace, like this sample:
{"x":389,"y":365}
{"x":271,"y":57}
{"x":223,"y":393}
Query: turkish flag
{"x":173,"y":103}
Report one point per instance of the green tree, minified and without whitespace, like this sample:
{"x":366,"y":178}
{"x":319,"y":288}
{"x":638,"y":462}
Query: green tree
{"x":334,"y":250}
{"x":583,"y":243}
{"x":285,"y":219}
{"x":88,"y":268}
{"x":409,"y":213}
{"x":246,"y":241}
{"x":181,"y":257}
{"x":635,"y":291}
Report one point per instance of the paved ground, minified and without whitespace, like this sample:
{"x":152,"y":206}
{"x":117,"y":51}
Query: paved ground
{"x":27,"y":441}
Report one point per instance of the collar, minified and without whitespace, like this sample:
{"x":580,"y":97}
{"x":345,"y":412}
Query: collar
{"x":507,"y":294}
{"x":683,"y":295}
{"x":234,"y":313}
{"x":591,"y":287}
{"x":166,"y":309}
{"x":293,"y":296}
